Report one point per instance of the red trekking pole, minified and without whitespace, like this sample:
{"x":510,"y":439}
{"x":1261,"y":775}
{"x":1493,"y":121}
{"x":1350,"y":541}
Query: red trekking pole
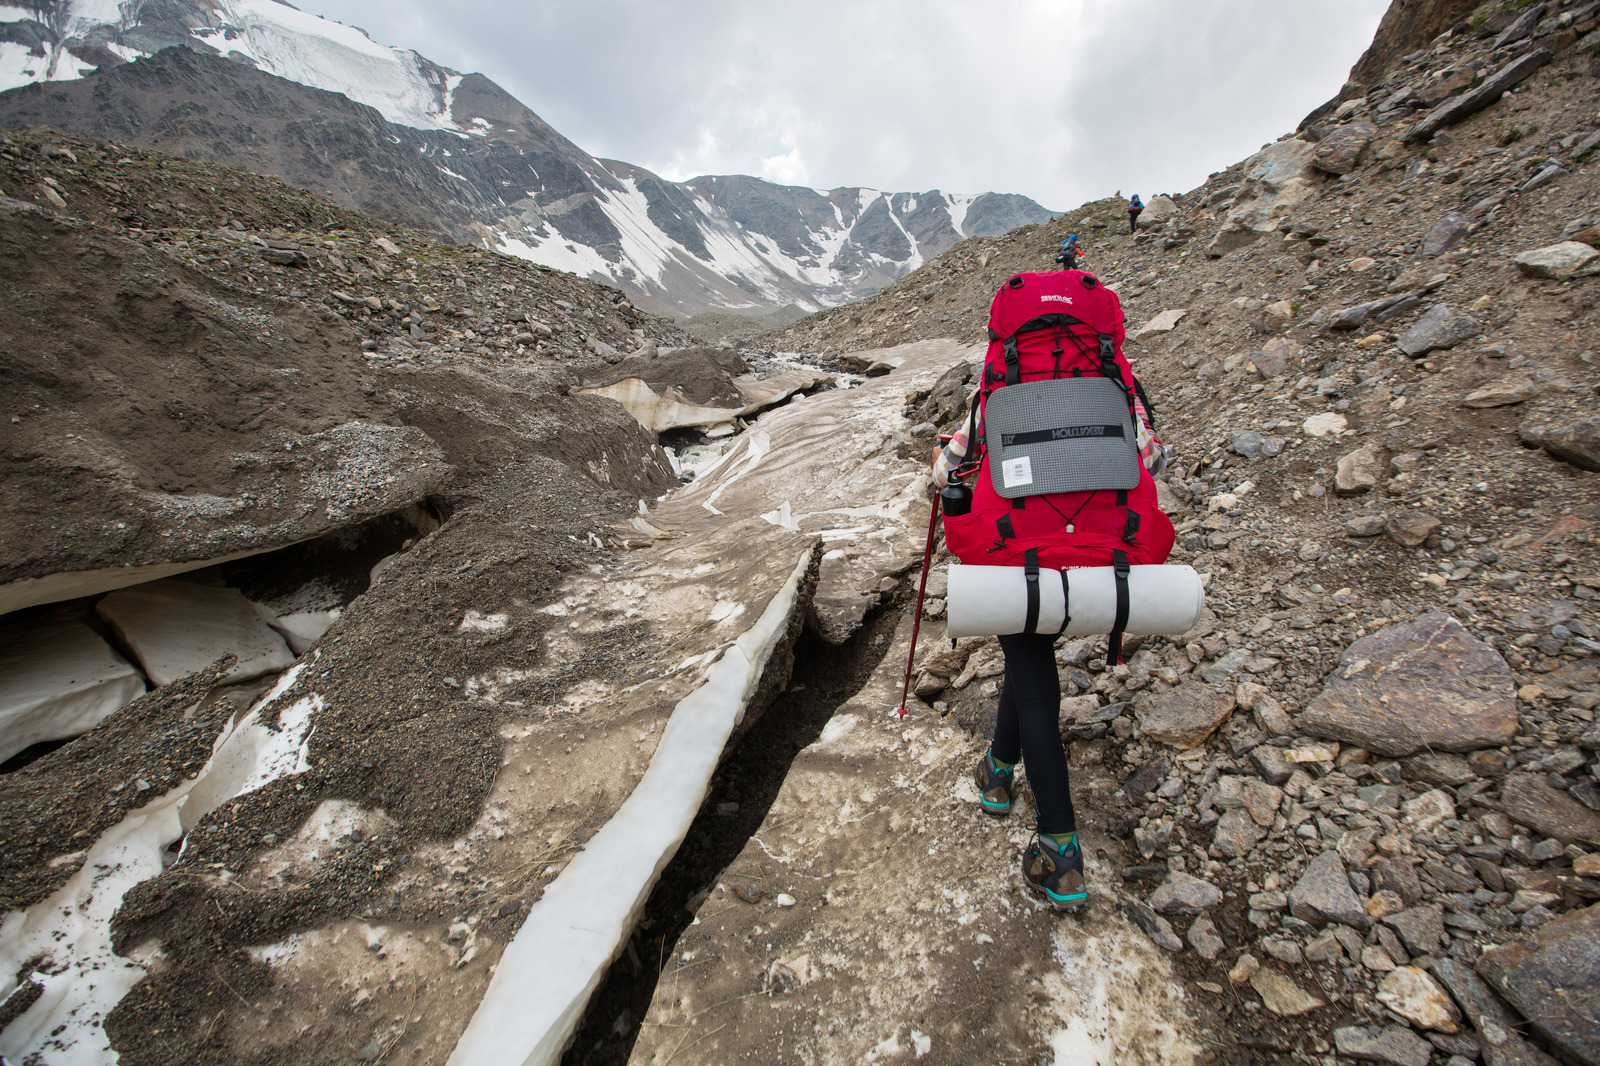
{"x":922,"y":588}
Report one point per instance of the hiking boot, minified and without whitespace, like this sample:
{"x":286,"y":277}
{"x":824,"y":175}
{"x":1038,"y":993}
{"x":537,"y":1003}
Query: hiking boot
{"x":994,"y":786}
{"x":1055,"y":872}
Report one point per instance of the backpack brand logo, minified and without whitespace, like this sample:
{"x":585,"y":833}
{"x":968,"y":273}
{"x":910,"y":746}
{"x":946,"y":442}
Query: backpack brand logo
{"x":1057,"y":299}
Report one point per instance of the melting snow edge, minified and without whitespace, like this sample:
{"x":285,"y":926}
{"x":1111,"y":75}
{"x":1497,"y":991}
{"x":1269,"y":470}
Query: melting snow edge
{"x":533,"y":1003}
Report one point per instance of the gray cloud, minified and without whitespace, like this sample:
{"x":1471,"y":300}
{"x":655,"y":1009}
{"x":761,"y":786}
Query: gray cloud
{"x":1063,"y":100}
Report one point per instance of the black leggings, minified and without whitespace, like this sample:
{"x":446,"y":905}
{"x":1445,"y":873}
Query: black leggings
{"x":1028,"y":728}
{"x":1133,"y":222}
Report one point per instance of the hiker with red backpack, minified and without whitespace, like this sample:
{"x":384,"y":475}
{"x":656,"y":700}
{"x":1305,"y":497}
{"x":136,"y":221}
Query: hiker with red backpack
{"x":1053,"y":469}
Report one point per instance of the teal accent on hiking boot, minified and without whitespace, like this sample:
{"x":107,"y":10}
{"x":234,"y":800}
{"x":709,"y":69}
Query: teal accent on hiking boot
{"x":1056,"y":872}
{"x":994,"y":786}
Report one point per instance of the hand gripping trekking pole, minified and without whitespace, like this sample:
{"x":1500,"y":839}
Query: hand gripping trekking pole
{"x":922,"y":588}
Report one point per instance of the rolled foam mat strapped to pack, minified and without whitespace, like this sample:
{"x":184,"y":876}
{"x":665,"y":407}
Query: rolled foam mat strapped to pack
{"x":992,"y":600}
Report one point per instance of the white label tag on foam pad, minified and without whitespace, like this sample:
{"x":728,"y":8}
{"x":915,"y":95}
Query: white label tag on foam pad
{"x":1014,"y":472}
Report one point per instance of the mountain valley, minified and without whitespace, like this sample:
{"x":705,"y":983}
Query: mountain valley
{"x":414,"y":652}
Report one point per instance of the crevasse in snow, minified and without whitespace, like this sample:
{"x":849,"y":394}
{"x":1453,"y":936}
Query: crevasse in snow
{"x":531,"y":1006}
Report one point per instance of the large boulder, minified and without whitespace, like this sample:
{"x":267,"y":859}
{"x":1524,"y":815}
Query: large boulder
{"x":1158,"y":212}
{"x":1341,"y":147}
{"x":1183,"y":893}
{"x":1165,"y":322}
{"x":1396,"y":1045}
{"x":1416,"y":997}
{"x":1412,"y":528}
{"x":1501,"y":392}
{"x":1323,"y":894}
{"x":698,"y":387}
{"x":1276,"y":180}
{"x":1445,"y":234}
{"x":1555,"y":260}
{"x":1553,"y":978}
{"x":1427,"y":684}
{"x":1358,"y":471}
{"x":1488,"y":1014}
{"x":1468,"y":103}
{"x":1533,"y":801}
{"x":1438,"y":328}
{"x":1576,"y":442}
{"x":1184,"y":716}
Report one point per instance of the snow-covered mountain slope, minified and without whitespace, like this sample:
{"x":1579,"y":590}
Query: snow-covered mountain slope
{"x":456,"y":155}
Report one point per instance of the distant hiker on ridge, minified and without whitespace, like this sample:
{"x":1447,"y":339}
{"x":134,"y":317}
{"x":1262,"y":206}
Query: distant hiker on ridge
{"x":1135,"y":205}
{"x":1068,"y":257}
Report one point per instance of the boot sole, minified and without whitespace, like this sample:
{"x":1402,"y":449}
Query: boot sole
{"x":1064,"y":905}
{"x":995,"y":812}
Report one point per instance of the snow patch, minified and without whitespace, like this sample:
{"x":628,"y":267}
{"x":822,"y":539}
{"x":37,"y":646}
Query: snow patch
{"x":58,"y":682}
{"x":404,"y":88}
{"x":82,"y":16}
{"x":19,"y":66}
{"x":958,"y":204}
{"x":584,"y":917}
{"x":782,"y":518}
{"x":473,"y":622}
{"x":1117,"y":1000}
{"x":63,"y":943}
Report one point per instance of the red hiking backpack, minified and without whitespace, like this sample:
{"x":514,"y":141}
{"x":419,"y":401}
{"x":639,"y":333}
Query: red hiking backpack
{"x":1076,"y":433}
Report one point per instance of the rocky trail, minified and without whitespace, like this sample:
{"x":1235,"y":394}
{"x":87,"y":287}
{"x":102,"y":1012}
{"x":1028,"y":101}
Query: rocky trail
{"x":520,"y":678}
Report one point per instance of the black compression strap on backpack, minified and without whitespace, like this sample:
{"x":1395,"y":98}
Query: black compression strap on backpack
{"x":1066,"y":603}
{"x":1013,"y":361}
{"x":1119,"y":561}
{"x":1030,"y":565}
{"x":1109,"y":367}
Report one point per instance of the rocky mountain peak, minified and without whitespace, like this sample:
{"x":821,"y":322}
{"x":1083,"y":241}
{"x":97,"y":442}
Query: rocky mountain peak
{"x":458,"y":156}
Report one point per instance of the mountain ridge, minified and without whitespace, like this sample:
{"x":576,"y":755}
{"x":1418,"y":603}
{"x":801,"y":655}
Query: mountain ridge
{"x":388,"y":132}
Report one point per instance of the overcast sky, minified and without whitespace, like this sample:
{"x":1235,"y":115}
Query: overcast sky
{"x":1062,"y":100}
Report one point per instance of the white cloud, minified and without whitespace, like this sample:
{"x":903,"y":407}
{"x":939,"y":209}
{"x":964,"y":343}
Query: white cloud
{"x":785,"y":169}
{"x":1063,"y":100}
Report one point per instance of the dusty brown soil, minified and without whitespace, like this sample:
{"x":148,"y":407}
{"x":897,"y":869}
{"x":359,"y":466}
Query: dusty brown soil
{"x":151,"y":347}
